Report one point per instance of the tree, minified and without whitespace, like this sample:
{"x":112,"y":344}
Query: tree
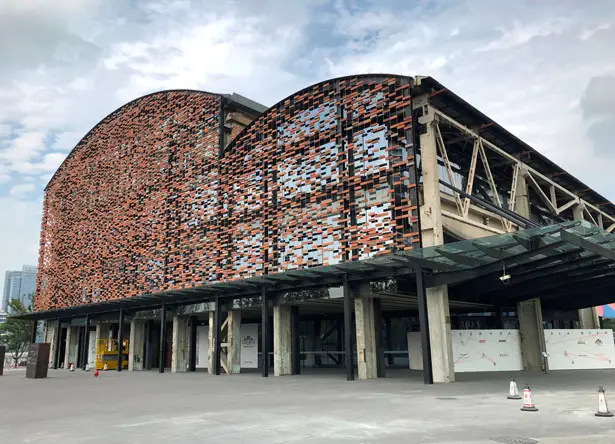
{"x":15,"y":333}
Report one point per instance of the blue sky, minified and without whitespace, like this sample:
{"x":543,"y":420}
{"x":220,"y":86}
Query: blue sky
{"x":545,"y":70}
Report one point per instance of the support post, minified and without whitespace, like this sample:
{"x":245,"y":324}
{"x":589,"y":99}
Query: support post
{"x":348,"y":329}
{"x":282,"y":339}
{"x":86,"y":343}
{"x":367,"y":361}
{"x":233,"y":339}
{"x":193,"y":333}
{"x":162,"y":353}
{"x":424,"y":323}
{"x":33,"y":332}
{"x":216,"y":337}
{"x":434,"y":301}
{"x":56,"y":338}
{"x":588,"y":317}
{"x":380,"y":363}
{"x":136,"y":345}
{"x":120,"y":341}
{"x":179,"y":351}
{"x":532,"y":334}
{"x":210,"y":338}
{"x":295,"y":340}
{"x":264,"y":330}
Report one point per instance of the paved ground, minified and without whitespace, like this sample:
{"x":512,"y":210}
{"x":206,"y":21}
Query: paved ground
{"x":147,"y":407}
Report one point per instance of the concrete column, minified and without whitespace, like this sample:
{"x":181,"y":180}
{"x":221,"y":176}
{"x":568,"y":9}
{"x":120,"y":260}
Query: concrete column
{"x":432,"y":234}
{"x":367,"y":359}
{"x":282,"y":340}
{"x":532,"y":333}
{"x":51,"y":330}
{"x":588,"y":318}
{"x":180,"y":346}
{"x":522,"y":201}
{"x":72,"y":345}
{"x":136,"y":345}
{"x":210,"y":339}
{"x":233,"y":355}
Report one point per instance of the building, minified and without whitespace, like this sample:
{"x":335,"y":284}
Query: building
{"x":19,"y":285}
{"x":12,"y":286}
{"x":360,"y":218}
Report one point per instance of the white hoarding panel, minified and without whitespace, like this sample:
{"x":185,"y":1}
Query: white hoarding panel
{"x":580,"y":349}
{"x":249,"y":345}
{"x":487,"y":350}
{"x":476,"y":350}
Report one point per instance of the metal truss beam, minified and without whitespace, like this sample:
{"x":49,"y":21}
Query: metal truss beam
{"x":536,"y":174}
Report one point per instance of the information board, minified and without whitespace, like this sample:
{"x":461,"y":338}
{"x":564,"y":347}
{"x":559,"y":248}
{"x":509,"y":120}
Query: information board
{"x":580,"y":349}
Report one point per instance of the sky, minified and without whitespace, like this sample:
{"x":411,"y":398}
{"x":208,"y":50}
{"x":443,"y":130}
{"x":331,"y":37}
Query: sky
{"x":545,"y":70}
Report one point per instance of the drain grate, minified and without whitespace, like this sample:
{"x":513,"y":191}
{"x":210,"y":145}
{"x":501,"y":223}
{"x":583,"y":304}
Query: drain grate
{"x":447,"y":399}
{"x":510,"y":440}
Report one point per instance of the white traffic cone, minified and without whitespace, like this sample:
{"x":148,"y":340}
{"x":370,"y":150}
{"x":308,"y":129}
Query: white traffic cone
{"x":528,"y":405}
{"x":71,"y":367}
{"x":105,"y":367}
{"x":603,"y":408}
{"x":513,"y":392}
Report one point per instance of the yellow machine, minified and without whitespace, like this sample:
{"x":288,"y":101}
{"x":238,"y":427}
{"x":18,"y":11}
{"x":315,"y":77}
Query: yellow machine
{"x":107,"y":353}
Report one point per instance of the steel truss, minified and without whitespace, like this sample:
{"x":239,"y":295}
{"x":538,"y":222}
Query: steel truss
{"x":553,"y":197}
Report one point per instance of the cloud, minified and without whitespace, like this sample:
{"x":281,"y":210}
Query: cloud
{"x":534,"y":70}
{"x":598,"y":106}
{"x":22,"y":189}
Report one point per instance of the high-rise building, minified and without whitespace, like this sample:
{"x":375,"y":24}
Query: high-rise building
{"x":19,"y":285}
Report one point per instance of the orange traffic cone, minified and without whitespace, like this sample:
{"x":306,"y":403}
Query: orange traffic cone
{"x":71,"y":367}
{"x":96,"y":373}
{"x":528,"y":405}
{"x":603,"y":408}
{"x":513,"y":392}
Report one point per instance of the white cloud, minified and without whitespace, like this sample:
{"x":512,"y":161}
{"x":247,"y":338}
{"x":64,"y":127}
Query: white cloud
{"x":22,"y":190}
{"x":25,"y":147}
{"x":78,"y":60}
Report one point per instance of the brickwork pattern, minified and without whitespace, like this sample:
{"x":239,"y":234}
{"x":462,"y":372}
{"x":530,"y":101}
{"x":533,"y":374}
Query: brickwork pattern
{"x":146,"y":202}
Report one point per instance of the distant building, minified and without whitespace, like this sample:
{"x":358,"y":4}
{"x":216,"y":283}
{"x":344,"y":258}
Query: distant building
{"x":3,"y":315}
{"x":19,"y":285}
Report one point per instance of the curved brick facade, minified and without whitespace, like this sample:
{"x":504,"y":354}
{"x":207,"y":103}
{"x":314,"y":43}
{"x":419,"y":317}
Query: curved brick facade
{"x":145,"y":203}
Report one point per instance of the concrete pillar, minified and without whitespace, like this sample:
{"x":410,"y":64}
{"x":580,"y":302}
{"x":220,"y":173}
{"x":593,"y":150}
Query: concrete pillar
{"x":233,"y":340}
{"x":136,"y":345}
{"x":51,"y":330}
{"x":367,"y":360}
{"x":522,"y":201}
{"x":440,"y":336}
{"x":282,"y":340}
{"x":210,"y":339}
{"x":72,"y":346}
{"x":432,"y":234}
{"x":588,"y":318}
{"x":181,"y":344}
{"x":532,"y":333}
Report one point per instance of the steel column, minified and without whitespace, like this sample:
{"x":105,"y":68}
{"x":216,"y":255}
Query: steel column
{"x":33,"y":332}
{"x":295,"y":341}
{"x":120,"y":341}
{"x":192,"y":347}
{"x":86,"y":343}
{"x":56,"y":339}
{"x":216,"y":337}
{"x":424,"y":321}
{"x":264,"y":331}
{"x":162,"y":353}
{"x":349,"y":330}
